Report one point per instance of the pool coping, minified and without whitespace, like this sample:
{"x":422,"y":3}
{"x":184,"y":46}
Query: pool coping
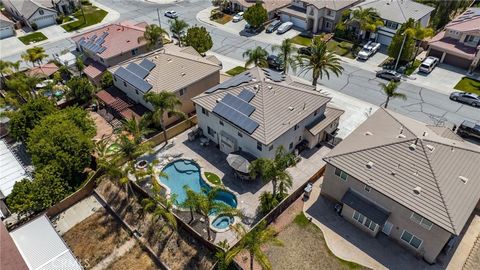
{"x":218,"y":230}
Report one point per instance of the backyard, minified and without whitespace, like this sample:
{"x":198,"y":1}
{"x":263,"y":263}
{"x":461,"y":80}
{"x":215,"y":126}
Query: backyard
{"x":93,"y":15}
{"x":32,"y":38}
{"x":468,"y":85}
{"x":136,"y":259}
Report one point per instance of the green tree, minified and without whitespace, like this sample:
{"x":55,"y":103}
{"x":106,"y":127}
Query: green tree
{"x":390,"y":90}
{"x":81,"y":90}
{"x":163,"y":103}
{"x":158,"y":205}
{"x":153,"y":36}
{"x":223,"y":256}
{"x":8,"y":68}
{"x":23,"y":120}
{"x":268,"y":202}
{"x":286,"y":51}
{"x":34,"y":55}
{"x":254,"y":241}
{"x":177,"y":27}
{"x":419,"y":34}
{"x":367,"y":20}
{"x":406,"y":33}
{"x":199,"y":39}
{"x":79,"y":64}
{"x":320,"y":62}
{"x":21,"y":199}
{"x":107,"y":80}
{"x":257,"y":57}
{"x":129,"y":148}
{"x":137,"y":128}
{"x":24,"y":85}
{"x":256,"y":15}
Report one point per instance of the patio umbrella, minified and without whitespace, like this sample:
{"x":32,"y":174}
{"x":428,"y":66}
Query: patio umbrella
{"x":238,"y":162}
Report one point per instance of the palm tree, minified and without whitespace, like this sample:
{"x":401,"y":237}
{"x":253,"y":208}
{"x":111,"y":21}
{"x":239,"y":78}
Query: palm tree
{"x":24,"y":85}
{"x":160,"y":206}
{"x":7,"y":68}
{"x":223,"y":256}
{"x":286,"y":49}
{"x":153,"y":36}
{"x":129,"y":149}
{"x":274,"y":170}
{"x":163,"y":103}
{"x":390,"y":90}
{"x":137,"y":128}
{"x":257,"y":57}
{"x":34,"y":55}
{"x":320,"y":61}
{"x":177,"y":27}
{"x":253,"y":241}
{"x":367,"y":19}
{"x":419,"y":33}
{"x":205,"y":204}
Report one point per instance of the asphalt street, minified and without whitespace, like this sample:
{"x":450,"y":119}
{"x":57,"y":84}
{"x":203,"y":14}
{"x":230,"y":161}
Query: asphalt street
{"x":422,"y":104}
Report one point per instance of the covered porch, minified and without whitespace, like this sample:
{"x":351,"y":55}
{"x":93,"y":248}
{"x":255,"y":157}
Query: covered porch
{"x":324,"y":129}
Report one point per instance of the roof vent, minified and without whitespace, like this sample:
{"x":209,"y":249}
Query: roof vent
{"x":393,"y":173}
{"x":368,"y":133}
{"x":417,"y":190}
{"x":290,"y":108}
{"x":169,"y":60}
{"x":218,"y":100}
{"x":412,"y":147}
{"x":425,"y":134}
{"x":401,"y":136}
{"x":463,"y":179}
{"x":255,"y":86}
{"x":430,"y":147}
{"x":270,"y":87}
{"x":369,"y":165}
{"x":183,"y":74}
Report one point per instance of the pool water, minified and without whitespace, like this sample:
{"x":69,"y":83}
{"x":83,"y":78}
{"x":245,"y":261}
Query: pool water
{"x":222,"y":222}
{"x":187,"y":173}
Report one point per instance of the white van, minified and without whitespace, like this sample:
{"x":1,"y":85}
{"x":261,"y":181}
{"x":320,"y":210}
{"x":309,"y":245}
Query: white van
{"x":428,"y":64}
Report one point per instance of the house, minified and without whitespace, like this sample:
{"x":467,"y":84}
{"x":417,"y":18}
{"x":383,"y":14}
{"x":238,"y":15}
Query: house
{"x":64,"y":7}
{"x":458,"y":44}
{"x":272,"y":6}
{"x":394,"y":13}
{"x":31,"y":13}
{"x":109,"y":45}
{"x":42,"y":71}
{"x":259,"y":110}
{"x":178,"y":70}
{"x":41,"y":247}
{"x":416,"y":183}
{"x":7,"y":27}
{"x":316,"y":16}
{"x":10,"y":257}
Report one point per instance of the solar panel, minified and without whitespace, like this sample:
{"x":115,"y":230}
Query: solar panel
{"x":132,"y":79}
{"x":100,"y":41}
{"x":104,"y":35}
{"x":246,"y":95}
{"x":137,"y":70}
{"x":274,"y":76}
{"x":147,"y":64}
{"x":235,"y":81}
{"x":93,"y":37}
{"x":95,"y":48}
{"x":102,"y":49}
{"x":238,"y":104}
{"x":240,"y":120}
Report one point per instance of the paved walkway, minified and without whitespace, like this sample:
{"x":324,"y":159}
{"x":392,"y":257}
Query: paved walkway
{"x":75,"y":214}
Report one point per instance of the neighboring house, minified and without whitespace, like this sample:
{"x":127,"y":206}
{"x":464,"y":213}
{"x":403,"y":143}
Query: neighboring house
{"x":109,"y":45}
{"x":7,"y":27}
{"x":259,"y":110}
{"x":10,"y":257}
{"x":394,"y":13}
{"x":178,"y":70}
{"x":31,"y":12}
{"x":42,"y":71}
{"x":272,"y":6}
{"x":316,"y":16}
{"x":417,"y":184}
{"x":458,"y":44}
{"x":64,"y":7}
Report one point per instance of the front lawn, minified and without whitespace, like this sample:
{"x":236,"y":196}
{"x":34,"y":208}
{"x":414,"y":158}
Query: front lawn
{"x":32,"y":38}
{"x":93,"y":15}
{"x":303,"y":41}
{"x":225,"y":18}
{"x":213,"y":178}
{"x":343,"y":48}
{"x":236,"y":70}
{"x":468,"y":85}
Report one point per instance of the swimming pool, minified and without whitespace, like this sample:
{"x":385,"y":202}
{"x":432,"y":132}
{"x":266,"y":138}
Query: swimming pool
{"x":222,"y":222}
{"x":186,"y":172}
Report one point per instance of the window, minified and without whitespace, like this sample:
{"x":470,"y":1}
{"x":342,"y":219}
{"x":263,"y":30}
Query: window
{"x":169,"y":114}
{"x":41,"y":12}
{"x":329,"y":12}
{"x":290,"y":146}
{"x":240,"y":134}
{"x":328,"y":25}
{"x":220,"y":122}
{"x":469,"y":38}
{"x":259,"y":146}
{"x":136,"y":92}
{"x":270,"y":148}
{"x":315,"y":113}
{"x":367,"y":188}
{"x":427,"y":224}
{"x":295,"y":127}
{"x":341,"y":174}
{"x":391,"y":25}
{"x":411,"y":239}
{"x":210,"y":131}
{"x":300,"y":138}
{"x":182,"y":91}
{"x":124,"y":84}
{"x":364,"y":221}
{"x":134,"y":51}
{"x":204,"y":111}
{"x":114,"y":78}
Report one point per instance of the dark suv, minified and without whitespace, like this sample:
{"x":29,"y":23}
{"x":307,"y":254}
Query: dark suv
{"x":273,"y":26}
{"x":275,"y":62}
{"x":469,"y":129}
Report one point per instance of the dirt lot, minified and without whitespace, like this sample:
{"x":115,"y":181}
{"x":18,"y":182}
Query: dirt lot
{"x":136,"y":259}
{"x":95,"y":238}
{"x":177,"y":249}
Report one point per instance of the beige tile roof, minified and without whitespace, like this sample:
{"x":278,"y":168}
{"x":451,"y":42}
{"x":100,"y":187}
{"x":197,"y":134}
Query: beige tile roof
{"x":278,"y":105}
{"x":4,"y":20}
{"x":269,"y":5}
{"x":331,"y":4}
{"x":468,"y":21}
{"x":398,"y":10}
{"x":175,"y":68}
{"x":331,"y":114}
{"x":407,"y":154}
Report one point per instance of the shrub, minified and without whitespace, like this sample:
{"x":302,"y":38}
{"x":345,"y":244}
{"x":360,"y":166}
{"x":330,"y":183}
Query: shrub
{"x":86,"y":3}
{"x":34,"y":26}
{"x":107,"y":79}
{"x":60,"y":19}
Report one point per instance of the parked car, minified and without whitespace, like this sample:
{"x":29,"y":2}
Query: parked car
{"x":428,"y":64}
{"x":390,"y":75}
{"x":368,"y":50}
{"x":305,"y":51}
{"x":275,"y":62}
{"x":468,"y":98}
{"x":273,"y":26}
{"x":238,"y":17}
{"x":284,"y":27}
{"x":469,"y":129}
{"x":171,"y":14}
{"x":250,"y":29}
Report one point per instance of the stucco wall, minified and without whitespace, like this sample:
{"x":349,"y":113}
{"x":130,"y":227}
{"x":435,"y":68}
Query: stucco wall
{"x":433,"y":240}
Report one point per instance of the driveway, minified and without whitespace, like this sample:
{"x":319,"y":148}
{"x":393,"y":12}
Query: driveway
{"x":11,"y":45}
{"x":442,"y":79}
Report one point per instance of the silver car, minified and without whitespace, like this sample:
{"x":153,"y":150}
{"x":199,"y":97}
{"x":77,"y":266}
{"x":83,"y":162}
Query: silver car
{"x":468,"y":98}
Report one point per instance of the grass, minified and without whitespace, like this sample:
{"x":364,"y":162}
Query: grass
{"x":301,"y":220}
{"x":236,"y":70}
{"x":224,"y":19}
{"x":93,"y":15}
{"x":468,"y":85}
{"x":412,"y":68}
{"x":303,"y":41}
{"x":32,"y":38}
{"x":213,"y":178}
{"x":95,"y":238}
{"x":135,"y":258}
{"x":343,"y":48}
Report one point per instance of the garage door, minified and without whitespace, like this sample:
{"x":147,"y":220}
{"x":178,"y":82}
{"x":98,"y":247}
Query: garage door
{"x":6,"y":32}
{"x":456,"y":61}
{"x":383,"y":39}
{"x":44,"y":21}
{"x":435,"y":53}
{"x":297,"y":22}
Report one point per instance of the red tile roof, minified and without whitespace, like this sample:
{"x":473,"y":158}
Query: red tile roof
{"x":452,"y":45}
{"x":46,"y":70}
{"x":10,"y":257}
{"x":94,"y":69}
{"x":122,"y":37}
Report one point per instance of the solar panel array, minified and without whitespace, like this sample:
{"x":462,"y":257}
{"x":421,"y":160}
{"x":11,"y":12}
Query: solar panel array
{"x":238,"y":104}
{"x":138,"y":70}
{"x":237,"y":118}
{"x":235,"y":81}
{"x":246,"y":95}
{"x":274,"y":76}
{"x":93,"y":44}
{"x":133,"y":79}
{"x":147,"y":64}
